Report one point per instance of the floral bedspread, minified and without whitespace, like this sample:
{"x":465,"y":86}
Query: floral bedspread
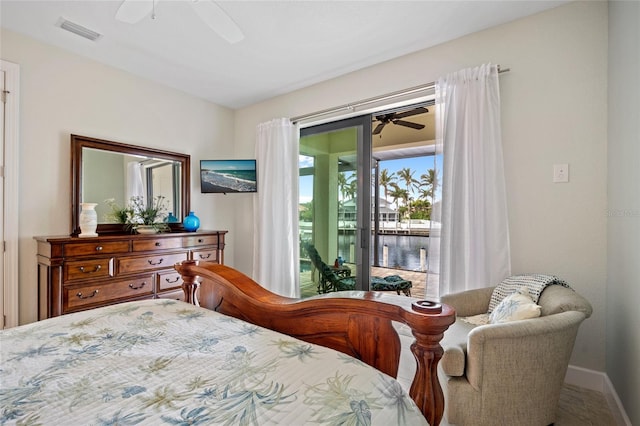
{"x":167,"y":362}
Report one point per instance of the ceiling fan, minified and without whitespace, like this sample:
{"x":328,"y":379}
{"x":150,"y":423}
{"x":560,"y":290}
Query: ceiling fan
{"x":133,"y":11}
{"x":396,"y":118}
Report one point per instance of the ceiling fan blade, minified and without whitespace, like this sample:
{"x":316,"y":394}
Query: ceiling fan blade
{"x":415,"y":111}
{"x":379,"y":128}
{"x":218,"y":20}
{"x":132,"y":11}
{"x":409,"y":124}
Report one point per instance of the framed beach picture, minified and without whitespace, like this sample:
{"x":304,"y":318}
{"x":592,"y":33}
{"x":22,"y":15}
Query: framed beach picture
{"x":223,"y":176}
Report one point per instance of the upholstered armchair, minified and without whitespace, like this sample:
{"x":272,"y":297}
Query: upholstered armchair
{"x":508,"y":373}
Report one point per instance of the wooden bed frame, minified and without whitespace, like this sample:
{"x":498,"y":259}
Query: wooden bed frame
{"x":356,"y":323}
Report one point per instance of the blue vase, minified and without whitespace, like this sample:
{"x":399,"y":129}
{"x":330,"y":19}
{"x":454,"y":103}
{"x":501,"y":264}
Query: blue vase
{"x":171,"y":218}
{"x":191,"y":223}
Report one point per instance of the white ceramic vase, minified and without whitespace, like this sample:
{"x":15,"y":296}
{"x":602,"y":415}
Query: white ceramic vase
{"x":88,"y":220}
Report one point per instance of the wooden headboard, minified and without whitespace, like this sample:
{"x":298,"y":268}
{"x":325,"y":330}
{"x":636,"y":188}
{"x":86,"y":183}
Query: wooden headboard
{"x":357,"y":323}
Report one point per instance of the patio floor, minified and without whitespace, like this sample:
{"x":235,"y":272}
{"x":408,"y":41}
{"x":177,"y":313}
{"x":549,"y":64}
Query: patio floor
{"x":421,"y":289}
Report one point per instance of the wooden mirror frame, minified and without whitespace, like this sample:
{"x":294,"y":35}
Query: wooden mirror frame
{"x":80,"y":142}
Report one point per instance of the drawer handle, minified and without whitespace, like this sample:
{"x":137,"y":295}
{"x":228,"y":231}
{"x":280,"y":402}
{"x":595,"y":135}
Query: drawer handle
{"x":200,"y":240}
{"x":170,"y":281}
{"x":202,"y":256}
{"x":157,"y":263}
{"x":96,"y":269}
{"x":157,"y":243}
{"x":99,"y":248}
{"x":87,"y":297}
{"x":133,"y":287}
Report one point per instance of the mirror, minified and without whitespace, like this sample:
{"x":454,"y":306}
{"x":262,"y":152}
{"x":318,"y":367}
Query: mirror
{"x":103,"y":170}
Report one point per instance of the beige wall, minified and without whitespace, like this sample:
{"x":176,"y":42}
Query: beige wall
{"x":554,"y":105}
{"x":623,"y":254}
{"x":62,"y":93}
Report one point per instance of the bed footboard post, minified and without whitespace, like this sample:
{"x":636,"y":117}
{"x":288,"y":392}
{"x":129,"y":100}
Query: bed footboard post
{"x":425,"y":389}
{"x":189,"y":283}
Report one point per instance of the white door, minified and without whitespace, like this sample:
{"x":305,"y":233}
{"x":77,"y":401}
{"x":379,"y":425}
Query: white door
{"x":2,"y":89}
{"x":9,"y":105}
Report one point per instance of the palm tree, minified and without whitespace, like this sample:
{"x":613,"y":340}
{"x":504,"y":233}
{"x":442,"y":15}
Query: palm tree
{"x":426,"y":193}
{"x":430,"y":181}
{"x":386,"y":180}
{"x":347,"y":187}
{"x":342,"y":183}
{"x":351,"y":189}
{"x":406,"y":175}
{"x":398,"y":194}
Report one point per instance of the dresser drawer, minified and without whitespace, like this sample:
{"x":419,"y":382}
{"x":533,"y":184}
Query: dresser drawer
{"x":205,"y":255}
{"x":95,"y":247}
{"x":174,"y":295}
{"x":169,"y":280}
{"x":88,"y":269}
{"x":108,"y":291}
{"x":145,"y":263}
{"x":200,"y":240}
{"x":157,"y":244}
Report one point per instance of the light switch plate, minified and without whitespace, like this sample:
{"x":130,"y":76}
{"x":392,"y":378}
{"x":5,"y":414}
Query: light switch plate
{"x":560,"y":173}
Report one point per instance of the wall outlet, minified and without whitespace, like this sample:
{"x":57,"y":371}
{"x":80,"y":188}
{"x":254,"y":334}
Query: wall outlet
{"x":560,"y":173}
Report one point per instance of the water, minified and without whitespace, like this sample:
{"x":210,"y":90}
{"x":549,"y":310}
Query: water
{"x":232,"y":180}
{"x":403,"y":250}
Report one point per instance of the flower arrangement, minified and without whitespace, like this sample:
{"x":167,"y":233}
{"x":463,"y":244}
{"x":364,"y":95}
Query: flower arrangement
{"x":117,"y":214}
{"x":138,"y":213}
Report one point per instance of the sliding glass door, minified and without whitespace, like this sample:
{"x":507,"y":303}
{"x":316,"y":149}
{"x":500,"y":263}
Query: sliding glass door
{"x":403,"y":187}
{"x":366,"y":194}
{"x":335,"y":204}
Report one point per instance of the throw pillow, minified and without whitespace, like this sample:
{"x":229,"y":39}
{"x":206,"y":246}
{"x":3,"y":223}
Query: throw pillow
{"x":517,"y":306}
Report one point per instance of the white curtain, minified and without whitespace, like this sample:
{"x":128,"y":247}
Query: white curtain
{"x":135,"y":185}
{"x":474,"y":240}
{"x":275,"y":248}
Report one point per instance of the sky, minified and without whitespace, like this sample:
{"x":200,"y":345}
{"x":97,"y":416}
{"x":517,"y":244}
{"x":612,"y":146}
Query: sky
{"x":228,"y":164}
{"x":419,"y":165}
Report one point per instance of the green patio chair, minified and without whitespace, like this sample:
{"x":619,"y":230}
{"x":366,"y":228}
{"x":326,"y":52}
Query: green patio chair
{"x":330,"y":281}
{"x":392,"y":283}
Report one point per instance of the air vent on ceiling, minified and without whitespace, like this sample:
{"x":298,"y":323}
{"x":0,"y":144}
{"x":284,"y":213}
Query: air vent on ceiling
{"x":79,"y":29}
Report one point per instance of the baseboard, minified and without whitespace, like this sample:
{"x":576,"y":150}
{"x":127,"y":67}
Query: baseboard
{"x":598,"y":381}
{"x":615,"y":404}
{"x":585,"y":378}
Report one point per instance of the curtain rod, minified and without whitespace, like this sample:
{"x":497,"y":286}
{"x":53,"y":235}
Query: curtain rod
{"x":353,"y":105}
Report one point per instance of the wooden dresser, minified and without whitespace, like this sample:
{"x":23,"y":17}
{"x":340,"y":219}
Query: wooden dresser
{"x":76,"y":274}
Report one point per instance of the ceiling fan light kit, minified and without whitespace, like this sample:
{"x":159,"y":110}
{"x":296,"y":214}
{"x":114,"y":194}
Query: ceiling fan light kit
{"x":133,"y":11}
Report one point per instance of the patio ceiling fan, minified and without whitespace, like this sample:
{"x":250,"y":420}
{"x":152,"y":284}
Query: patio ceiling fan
{"x":396,"y":118}
{"x":133,"y":11}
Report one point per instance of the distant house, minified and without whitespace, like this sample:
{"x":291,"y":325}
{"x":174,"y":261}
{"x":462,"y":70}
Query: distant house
{"x":347,"y":212}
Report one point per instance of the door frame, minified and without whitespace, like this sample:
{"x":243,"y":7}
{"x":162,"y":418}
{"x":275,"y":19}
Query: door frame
{"x":363,"y":125}
{"x":10,"y":278}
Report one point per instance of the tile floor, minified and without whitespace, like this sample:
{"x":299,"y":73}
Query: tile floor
{"x":584,"y":407}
